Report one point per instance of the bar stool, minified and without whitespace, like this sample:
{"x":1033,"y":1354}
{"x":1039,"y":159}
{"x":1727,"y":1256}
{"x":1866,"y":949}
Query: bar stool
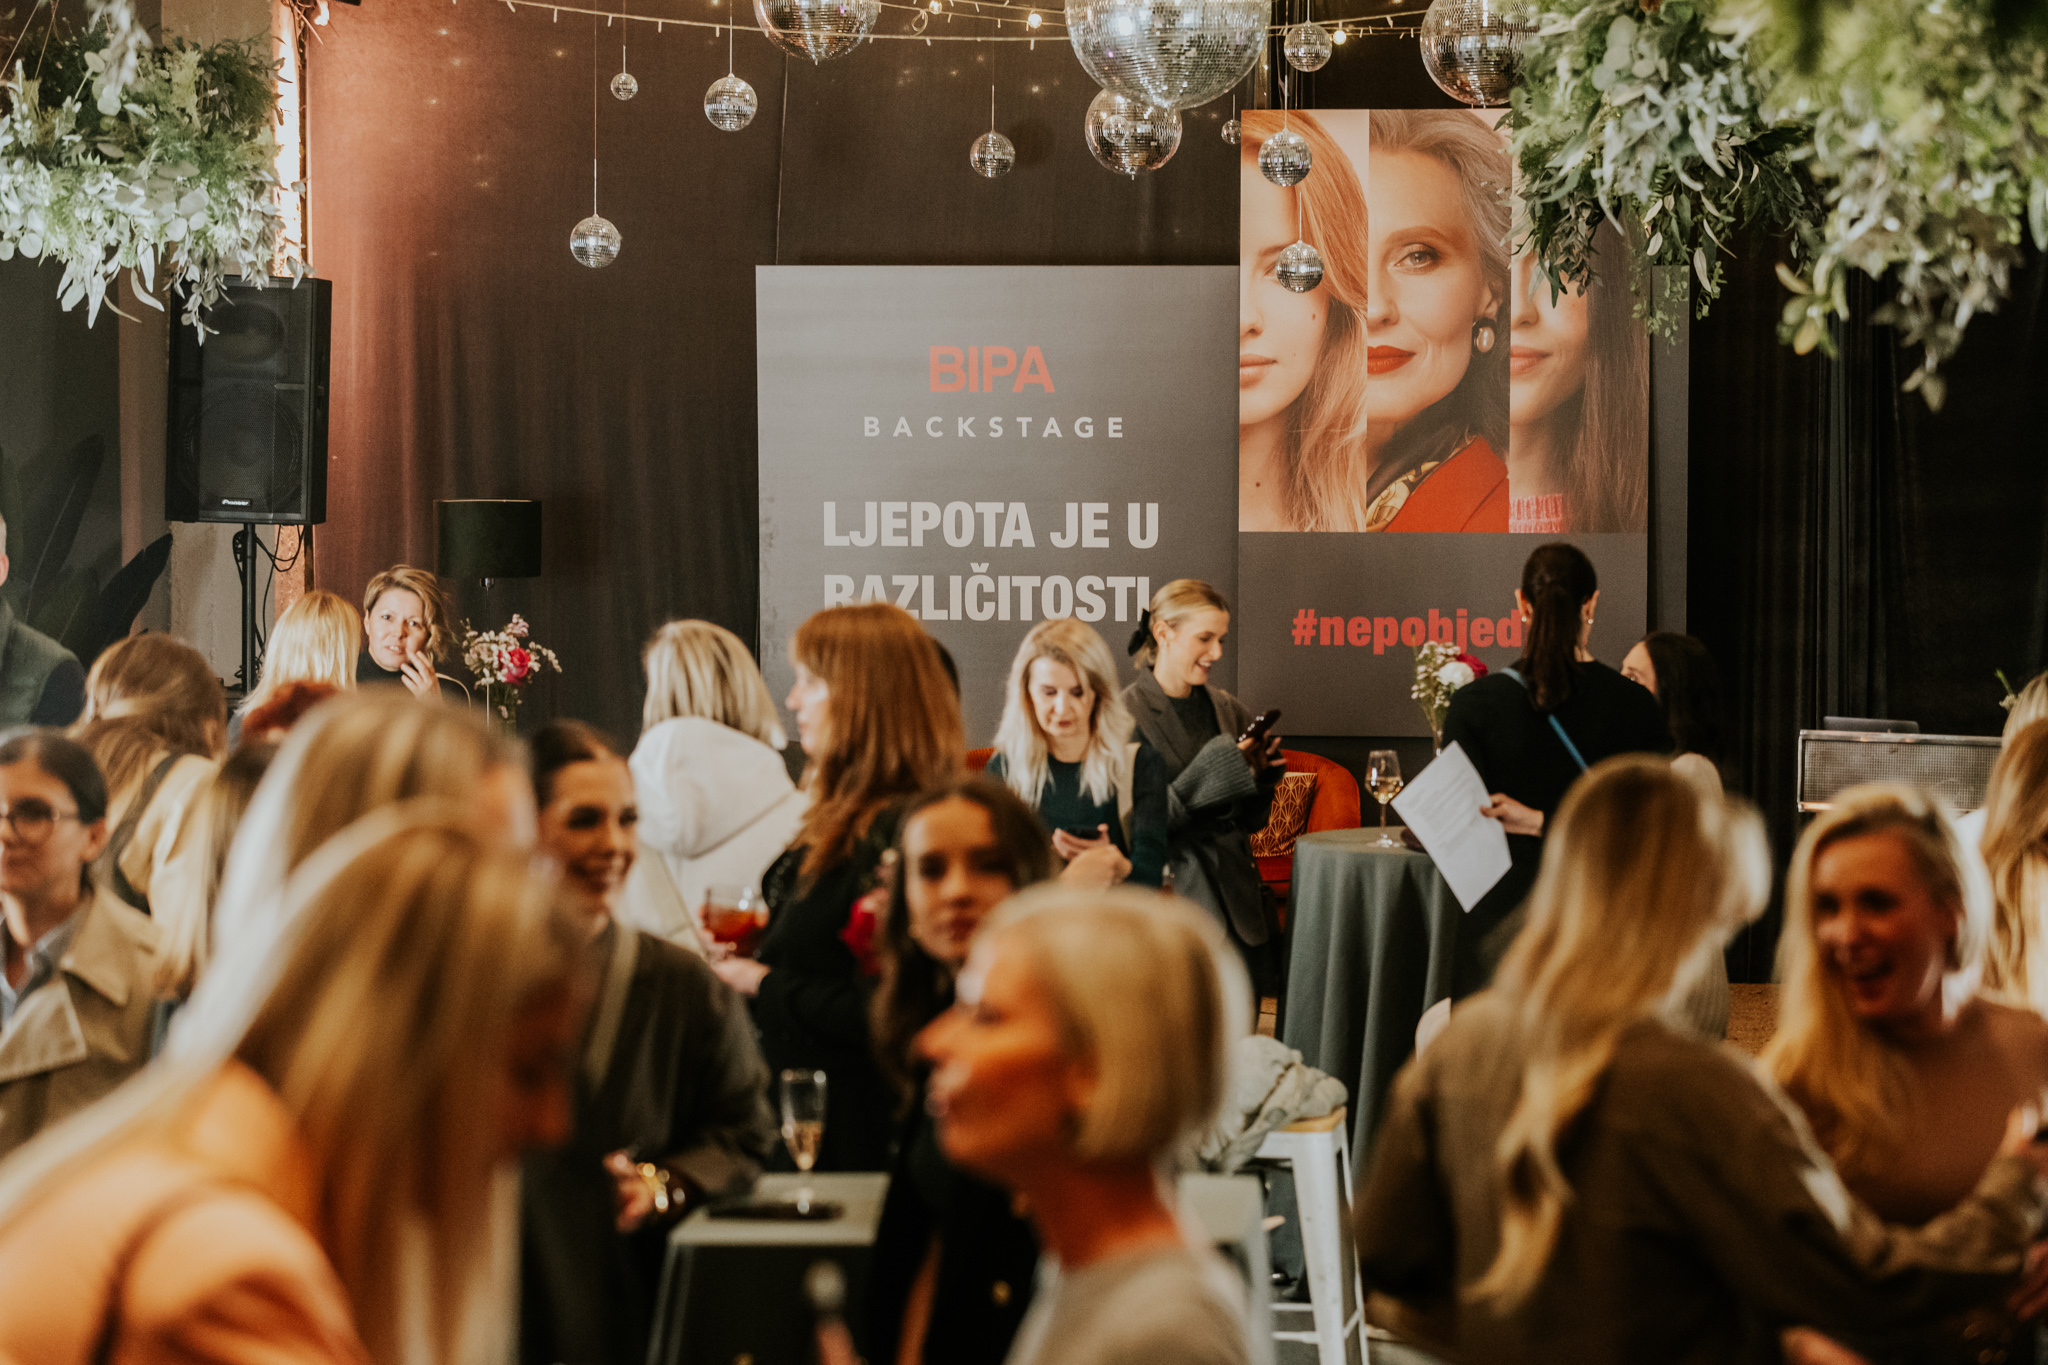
{"x":1315,"y":1148}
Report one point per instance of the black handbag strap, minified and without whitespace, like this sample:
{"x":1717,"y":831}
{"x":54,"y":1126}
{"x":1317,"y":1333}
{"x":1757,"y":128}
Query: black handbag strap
{"x":124,"y":834}
{"x":151,"y":1222}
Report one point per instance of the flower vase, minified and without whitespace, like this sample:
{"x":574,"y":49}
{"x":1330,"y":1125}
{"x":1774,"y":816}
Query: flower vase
{"x":501,"y":709}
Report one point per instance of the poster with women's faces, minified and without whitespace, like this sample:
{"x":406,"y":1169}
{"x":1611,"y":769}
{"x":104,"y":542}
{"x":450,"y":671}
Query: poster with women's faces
{"x":1413,"y":426}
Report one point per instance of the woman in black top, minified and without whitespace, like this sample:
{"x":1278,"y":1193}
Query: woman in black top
{"x":1532,"y":729}
{"x":1066,"y":747}
{"x":953,"y":1262}
{"x":879,"y":723}
{"x":669,"y":1096}
{"x":1219,"y":790}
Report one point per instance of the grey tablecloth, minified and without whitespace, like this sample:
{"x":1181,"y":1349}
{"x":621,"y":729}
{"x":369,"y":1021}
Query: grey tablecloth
{"x":1374,"y":932}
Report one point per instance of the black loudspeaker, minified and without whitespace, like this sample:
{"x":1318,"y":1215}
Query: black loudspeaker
{"x":248,"y":408}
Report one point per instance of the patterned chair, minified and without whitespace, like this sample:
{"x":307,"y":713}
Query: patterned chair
{"x":1335,"y":807}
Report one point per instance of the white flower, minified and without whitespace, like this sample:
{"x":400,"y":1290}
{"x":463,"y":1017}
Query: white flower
{"x":1455,"y":674}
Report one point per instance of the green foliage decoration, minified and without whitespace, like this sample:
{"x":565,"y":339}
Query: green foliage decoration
{"x":1653,"y":116}
{"x":120,"y":154}
{"x":1930,"y":141}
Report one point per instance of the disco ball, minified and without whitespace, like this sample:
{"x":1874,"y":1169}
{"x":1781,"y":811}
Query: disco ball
{"x":818,"y":29}
{"x":1233,"y":131}
{"x":1129,"y":136}
{"x":624,"y":87}
{"x":1172,"y":54}
{"x":1307,"y":47}
{"x":1285,"y":159}
{"x":992,"y":155}
{"x":730,"y":104}
{"x":594,"y":243}
{"x":1300,"y":267}
{"x":1470,"y":47}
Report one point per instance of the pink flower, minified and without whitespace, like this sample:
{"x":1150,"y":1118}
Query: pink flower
{"x":518,"y":665}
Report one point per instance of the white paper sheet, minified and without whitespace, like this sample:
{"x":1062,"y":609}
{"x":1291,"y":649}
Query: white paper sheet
{"x":1442,"y":806}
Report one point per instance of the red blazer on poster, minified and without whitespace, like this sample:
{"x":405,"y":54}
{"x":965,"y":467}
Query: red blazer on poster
{"x":1468,"y":492}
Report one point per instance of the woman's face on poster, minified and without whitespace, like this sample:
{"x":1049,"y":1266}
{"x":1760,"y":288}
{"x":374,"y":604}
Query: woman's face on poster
{"x":1547,"y":345}
{"x":1279,"y":332}
{"x":1428,"y":287}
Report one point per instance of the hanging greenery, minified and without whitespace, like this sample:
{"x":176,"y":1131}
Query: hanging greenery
{"x":1651,"y":115}
{"x":1930,"y":142}
{"x":117,"y":154}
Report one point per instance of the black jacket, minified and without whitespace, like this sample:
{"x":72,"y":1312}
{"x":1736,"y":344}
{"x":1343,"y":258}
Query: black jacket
{"x":1517,"y":752}
{"x":812,"y":1011}
{"x":1210,"y":840}
{"x":988,"y":1256}
{"x":682,"y":1085}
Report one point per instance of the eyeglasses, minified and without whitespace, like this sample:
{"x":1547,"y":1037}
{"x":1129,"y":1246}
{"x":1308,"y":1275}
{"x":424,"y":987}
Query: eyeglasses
{"x":31,"y":821}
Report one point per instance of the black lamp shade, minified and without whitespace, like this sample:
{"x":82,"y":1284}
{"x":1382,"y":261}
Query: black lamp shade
{"x":488,"y":537}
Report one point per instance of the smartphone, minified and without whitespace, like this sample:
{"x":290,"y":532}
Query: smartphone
{"x":1262,"y":725}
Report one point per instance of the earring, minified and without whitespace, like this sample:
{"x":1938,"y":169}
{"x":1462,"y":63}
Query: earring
{"x":1482,"y":337}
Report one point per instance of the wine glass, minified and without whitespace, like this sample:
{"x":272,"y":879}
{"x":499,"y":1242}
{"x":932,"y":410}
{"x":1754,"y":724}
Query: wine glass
{"x":1383,"y":779}
{"x":803,"y":1125}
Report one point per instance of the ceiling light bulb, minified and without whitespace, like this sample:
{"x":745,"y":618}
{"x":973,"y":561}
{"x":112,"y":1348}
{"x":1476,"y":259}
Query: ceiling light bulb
{"x":1035,"y":20}
{"x":1339,"y":36}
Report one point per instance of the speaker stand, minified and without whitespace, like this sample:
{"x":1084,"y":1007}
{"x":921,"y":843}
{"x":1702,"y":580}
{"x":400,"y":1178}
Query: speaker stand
{"x":245,"y":565}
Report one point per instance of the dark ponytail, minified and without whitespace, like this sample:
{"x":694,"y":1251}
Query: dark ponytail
{"x":1556,"y":582}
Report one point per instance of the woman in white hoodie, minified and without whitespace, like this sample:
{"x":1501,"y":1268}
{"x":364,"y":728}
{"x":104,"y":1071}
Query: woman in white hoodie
{"x":716,"y":800}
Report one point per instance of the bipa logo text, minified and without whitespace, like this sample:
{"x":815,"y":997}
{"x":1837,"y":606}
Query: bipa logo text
{"x":978,"y":370}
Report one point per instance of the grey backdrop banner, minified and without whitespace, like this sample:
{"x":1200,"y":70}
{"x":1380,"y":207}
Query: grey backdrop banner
{"x":991,"y":446}
{"x":1328,"y":623}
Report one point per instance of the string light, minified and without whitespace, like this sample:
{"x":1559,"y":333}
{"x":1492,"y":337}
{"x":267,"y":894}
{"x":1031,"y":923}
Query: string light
{"x":1035,"y":20}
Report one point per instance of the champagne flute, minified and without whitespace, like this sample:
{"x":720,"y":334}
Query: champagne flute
{"x":1383,"y":779}
{"x":803,"y":1125}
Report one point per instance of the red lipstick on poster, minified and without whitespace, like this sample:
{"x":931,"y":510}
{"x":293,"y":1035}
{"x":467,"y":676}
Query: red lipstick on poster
{"x":1386,"y":359}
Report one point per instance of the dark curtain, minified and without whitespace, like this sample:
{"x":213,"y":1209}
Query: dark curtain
{"x":1850,"y":552}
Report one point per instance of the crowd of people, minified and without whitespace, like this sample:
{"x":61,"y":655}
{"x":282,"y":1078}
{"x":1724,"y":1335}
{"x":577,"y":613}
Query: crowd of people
{"x":342,"y":1028}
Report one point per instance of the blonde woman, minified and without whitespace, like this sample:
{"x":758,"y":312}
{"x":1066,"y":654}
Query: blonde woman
{"x":1568,"y":1174}
{"x":2029,"y":706}
{"x":353,"y":755}
{"x":1045,"y":1080}
{"x":716,"y":800}
{"x":407,"y":634}
{"x":1884,"y":1038}
{"x":2015,"y":844}
{"x":316,"y":640}
{"x":1219,"y":787}
{"x":155,"y":721}
{"x":292,"y":1184}
{"x":1066,"y":747}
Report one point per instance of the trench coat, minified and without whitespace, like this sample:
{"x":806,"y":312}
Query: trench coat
{"x":83,"y":1031}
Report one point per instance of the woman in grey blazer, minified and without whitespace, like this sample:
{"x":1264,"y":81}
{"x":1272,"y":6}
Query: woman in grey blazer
{"x":1219,"y":790}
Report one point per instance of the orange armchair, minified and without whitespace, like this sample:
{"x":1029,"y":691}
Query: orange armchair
{"x":1335,"y":807}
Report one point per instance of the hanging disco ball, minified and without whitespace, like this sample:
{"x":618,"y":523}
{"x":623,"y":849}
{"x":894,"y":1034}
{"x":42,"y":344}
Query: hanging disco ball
{"x":730,"y":104}
{"x":818,"y":29}
{"x":992,"y":155}
{"x":1300,"y":267}
{"x":1307,"y":47}
{"x":1129,"y":135}
{"x":1233,"y":131}
{"x":624,"y":87}
{"x":1471,"y":48}
{"x":594,"y":243}
{"x":1171,"y":54}
{"x":1285,"y":159}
